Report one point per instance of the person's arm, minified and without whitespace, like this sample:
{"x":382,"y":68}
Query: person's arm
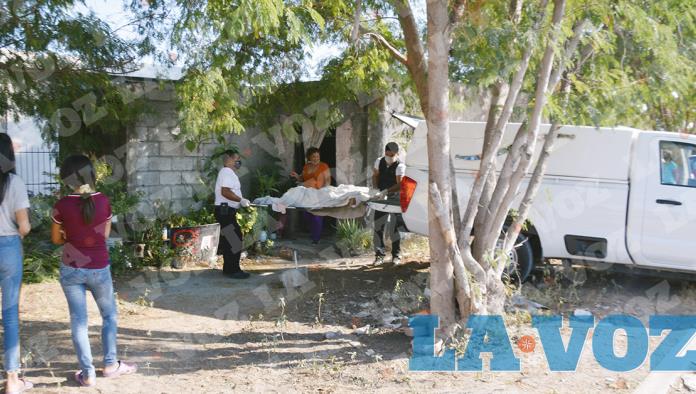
{"x":298,"y":177}
{"x":230,"y":195}
{"x":397,"y":186}
{"x":327,"y":177}
{"x":23,"y":224}
{"x":57,"y":234}
{"x":375,"y":178}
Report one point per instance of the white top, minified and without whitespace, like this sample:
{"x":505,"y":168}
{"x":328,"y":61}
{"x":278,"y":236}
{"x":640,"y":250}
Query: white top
{"x":16,"y":198}
{"x":400,"y":169}
{"x":227,"y":178}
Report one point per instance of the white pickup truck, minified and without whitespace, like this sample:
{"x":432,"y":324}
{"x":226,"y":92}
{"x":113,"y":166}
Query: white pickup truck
{"x":615,"y":195}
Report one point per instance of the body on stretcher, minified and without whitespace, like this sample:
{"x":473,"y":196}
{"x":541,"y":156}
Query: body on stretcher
{"x":343,"y":201}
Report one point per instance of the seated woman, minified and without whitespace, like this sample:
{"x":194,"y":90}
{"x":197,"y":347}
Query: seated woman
{"x":315,"y":174}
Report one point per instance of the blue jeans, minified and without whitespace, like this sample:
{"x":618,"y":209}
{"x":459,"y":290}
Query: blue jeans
{"x":75,"y":282}
{"x":11,"y":256}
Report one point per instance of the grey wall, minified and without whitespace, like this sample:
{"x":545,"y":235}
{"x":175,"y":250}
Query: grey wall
{"x":164,"y":171}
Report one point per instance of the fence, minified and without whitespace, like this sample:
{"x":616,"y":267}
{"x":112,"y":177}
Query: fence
{"x":37,"y":168}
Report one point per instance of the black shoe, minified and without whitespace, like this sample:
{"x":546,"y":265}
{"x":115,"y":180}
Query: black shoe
{"x":239,"y":275}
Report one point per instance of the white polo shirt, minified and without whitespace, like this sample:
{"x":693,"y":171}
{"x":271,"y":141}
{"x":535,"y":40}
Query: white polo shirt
{"x":227,"y":178}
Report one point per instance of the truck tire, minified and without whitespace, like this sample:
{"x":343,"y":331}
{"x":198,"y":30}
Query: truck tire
{"x":521,"y":261}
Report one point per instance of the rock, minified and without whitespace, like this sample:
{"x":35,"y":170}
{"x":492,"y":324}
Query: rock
{"x":523,"y":303}
{"x":689,"y":382}
{"x":620,"y":384}
{"x":362,"y":314}
{"x":362,"y":330}
{"x":332,"y":335}
{"x":582,"y":312}
{"x":370,"y":352}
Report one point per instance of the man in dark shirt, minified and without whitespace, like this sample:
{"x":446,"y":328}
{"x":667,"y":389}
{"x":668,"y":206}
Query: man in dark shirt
{"x":386,"y":176}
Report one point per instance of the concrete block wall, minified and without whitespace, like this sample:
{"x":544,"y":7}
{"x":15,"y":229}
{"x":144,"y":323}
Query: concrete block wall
{"x":165,"y":171}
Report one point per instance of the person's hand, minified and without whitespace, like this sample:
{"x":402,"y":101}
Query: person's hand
{"x":377,"y":194}
{"x":244,"y":203}
{"x":293,"y":175}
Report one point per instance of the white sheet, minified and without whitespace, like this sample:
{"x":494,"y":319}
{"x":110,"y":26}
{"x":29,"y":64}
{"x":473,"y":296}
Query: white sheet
{"x":310,"y":198}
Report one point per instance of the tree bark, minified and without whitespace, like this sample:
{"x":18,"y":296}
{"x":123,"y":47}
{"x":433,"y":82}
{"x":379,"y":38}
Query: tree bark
{"x":415,"y":61}
{"x":438,"y":139}
{"x":488,"y":156}
{"x":518,"y":160}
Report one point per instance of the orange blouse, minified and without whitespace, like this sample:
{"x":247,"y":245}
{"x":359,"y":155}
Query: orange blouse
{"x":317,"y":176}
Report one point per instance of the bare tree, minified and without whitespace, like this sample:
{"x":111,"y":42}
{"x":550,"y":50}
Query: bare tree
{"x":463,"y":276}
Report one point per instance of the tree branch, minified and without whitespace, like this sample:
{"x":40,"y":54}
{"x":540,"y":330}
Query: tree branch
{"x":396,"y":54}
{"x":416,"y":62}
{"x":356,"y":22}
{"x":458,"y":11}
{"x":487,"y":159}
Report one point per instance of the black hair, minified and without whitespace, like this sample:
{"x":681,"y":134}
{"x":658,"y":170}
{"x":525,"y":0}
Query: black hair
{"x":392,"y":147}
{"x":7,"y":164}
{"x":77,"y":170}
{"x":312,"y":151}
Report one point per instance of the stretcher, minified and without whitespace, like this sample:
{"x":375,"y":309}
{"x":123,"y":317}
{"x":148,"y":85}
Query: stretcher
{"x":342,"y":202}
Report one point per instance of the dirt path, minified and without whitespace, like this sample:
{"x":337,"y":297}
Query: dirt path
{"x":196,"y":331}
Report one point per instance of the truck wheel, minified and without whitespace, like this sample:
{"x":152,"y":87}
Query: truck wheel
{"x":521,"y":261}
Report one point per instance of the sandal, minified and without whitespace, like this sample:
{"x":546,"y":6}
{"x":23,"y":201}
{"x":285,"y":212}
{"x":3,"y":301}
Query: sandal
{"x":27,"y":386}
{"x":123,"y":368}
{"x":81,"y":380}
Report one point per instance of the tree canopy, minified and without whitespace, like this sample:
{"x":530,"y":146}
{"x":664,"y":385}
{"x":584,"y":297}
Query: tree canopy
{"x":640,"y":73}
{"x":60,"y":66}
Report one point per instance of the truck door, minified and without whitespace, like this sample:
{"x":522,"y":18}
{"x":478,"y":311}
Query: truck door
{"x":668,"y":233}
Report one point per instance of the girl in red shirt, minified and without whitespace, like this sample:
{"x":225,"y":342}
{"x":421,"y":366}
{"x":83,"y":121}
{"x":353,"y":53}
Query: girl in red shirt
{"x":82,"y":223}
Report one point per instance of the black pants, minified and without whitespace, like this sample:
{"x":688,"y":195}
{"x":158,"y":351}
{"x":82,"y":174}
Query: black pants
{"x":380,"y":224}
{"x":230,"y":246}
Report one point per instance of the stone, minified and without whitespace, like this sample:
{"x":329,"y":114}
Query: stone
{"x":362,"y":330}
{"x":175,"y":148}
{"x":182,"y":192}
{"x":582,"y":312}
{"x":190,"y":177}
{"x":689,"y":382}
{"x":160,"y":134}
{"x":332,"y":335}
{"x":147,"y":178}
{"x":170,"y":178}
{"x":183,"y":164}
{"x":160,"y":164}
{"x":163,"y":193}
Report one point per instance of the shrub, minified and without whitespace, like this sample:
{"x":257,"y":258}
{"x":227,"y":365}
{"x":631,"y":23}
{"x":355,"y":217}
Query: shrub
{"x":352,"y":238}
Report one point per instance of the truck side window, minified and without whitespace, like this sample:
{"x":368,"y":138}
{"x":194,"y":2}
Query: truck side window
{"x":677,"y":164}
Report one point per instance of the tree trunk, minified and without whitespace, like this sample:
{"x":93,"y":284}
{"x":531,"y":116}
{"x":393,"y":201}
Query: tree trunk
{"x":438,"y":139}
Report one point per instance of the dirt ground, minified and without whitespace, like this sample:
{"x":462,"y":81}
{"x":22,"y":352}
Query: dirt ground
{"x":196,"y":331}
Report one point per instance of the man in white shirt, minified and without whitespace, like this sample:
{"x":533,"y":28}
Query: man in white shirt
{"x":228,"y":199}
{"x":386,"y":176}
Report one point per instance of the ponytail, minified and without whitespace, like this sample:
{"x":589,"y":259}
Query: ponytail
{"x":87,"y":207}
{"x":77,"y":173}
